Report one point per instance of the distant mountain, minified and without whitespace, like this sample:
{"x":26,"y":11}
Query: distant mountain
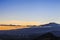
{"x":27,"y":31}
{"x":31,"y":32}
{"x":9,"y":25}
{"x":51,"y":24}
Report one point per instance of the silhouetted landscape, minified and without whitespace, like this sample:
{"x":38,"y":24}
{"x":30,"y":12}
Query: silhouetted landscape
{"x":50,"y":31}
{"x":29,"y":19}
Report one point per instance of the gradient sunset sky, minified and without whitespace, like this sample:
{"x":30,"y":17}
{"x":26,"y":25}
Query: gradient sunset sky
{"x":29,"y":11}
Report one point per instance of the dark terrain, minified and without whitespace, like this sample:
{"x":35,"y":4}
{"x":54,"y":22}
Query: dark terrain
{"x":38,"y":33}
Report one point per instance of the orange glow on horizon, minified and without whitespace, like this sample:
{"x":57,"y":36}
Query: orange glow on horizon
{"x":23,"y":23}
{"x":20,"y":22}
{"x":12,"y":27}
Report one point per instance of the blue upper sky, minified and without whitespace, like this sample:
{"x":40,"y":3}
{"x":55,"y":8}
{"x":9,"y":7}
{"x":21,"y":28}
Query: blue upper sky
{"x":30,"y":10}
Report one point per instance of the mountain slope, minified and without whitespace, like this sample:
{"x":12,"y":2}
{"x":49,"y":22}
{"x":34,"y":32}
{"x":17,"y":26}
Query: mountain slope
{"x":55,"y":29}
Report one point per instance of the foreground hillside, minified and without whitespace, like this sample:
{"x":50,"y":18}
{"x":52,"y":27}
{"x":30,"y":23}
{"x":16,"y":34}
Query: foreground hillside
{"x":29,"y":34}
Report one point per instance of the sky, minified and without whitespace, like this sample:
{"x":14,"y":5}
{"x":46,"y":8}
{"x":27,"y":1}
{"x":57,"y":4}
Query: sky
{"x":29,"y":11}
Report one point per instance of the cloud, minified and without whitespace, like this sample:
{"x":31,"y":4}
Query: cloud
{"x":20,"y":22}
{"x":16,"y":22}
